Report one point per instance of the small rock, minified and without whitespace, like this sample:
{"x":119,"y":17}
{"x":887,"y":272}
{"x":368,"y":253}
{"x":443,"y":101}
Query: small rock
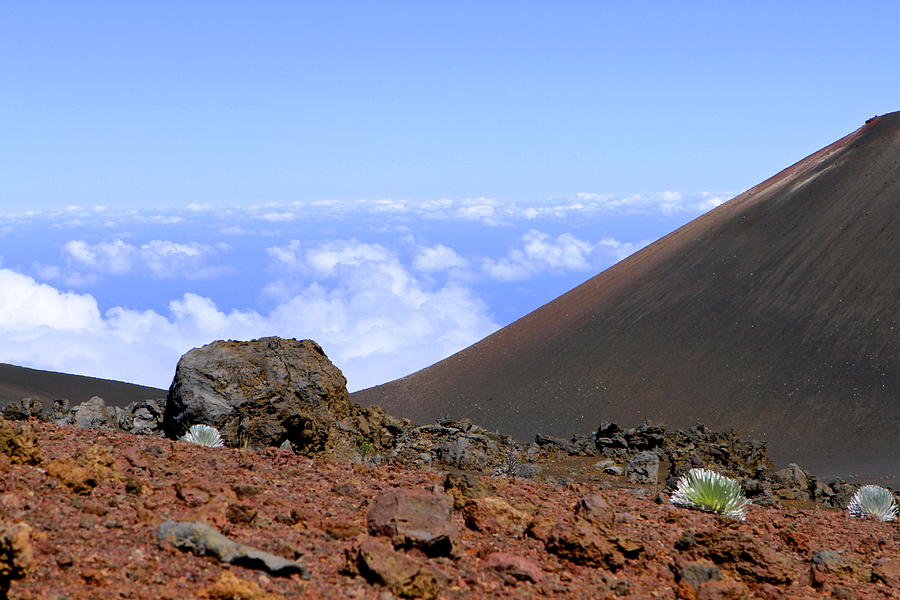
{"x":722,"y":590}
{"x":202,"y":540}
{"x":582,"y":545}
{"x":405,"y":576}
{"x":513,"y":568}
{"x":887,"y":571}
{"x":347,"y":489}
{"x":91,"y":413}
{"x":24,"y":409}
{"x":241,"y":514}
{"x":16,"y":553}
{"x":597,"y":511}
{"x":414,"y":518}
{"x":834,"y":563}
{"x":696,"y":573}
{"x":643,"y":468}
{"x":495,"y":515}
{"x":465,"y":486}
{"x":19,"y":442}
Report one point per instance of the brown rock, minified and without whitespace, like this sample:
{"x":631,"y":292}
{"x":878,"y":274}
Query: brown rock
{"x":595,"y":510}
{"x":750,"y":558}
{"x":405,"y":576}
{"x":581,"y":544}
{"x":16,"y":553}
{"x":722,"y":590}
{"x":241,"y":514}
{"x":413,"y":517}
{"x":75,"y":477}
{"x":513,"y":568}
{"x":466,"y":486}
{"x":834,"y":563}
{"x":259,"y":393}
{"x":495,"y":515}
{"x":887,"y":571}
{"x":230,"y":587}
{"x":19,"y":442}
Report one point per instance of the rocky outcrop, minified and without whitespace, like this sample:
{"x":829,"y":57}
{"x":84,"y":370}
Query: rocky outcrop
{"x":272,"y":392}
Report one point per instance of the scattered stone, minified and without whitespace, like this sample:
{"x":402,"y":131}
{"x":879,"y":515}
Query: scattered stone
{"x":595,"y":510}
{"x":231,"y":587}
{"x":643,"y":468}
{"x":466,"y":486}
{"x":887,"y":571}
{"x":495,"y":515}
{"x":348,"y":490}
{"x":414,"y":518}
{"x":513,"y":568}
{"x":377,"y":562}
{"x":144,"y":417}
{"x":722,"y":590}
{"x":19,"y":442}
{"x":581,"y":544}
{"x":241,"y":514}
{"x":751,"y":559}
{"x":92,"y":414}
{"x":202,"y":540}
{"x":16,"y":554}
{"x":24,"y":409}
{"x":829,"y":562}
{"x":693,"y":574}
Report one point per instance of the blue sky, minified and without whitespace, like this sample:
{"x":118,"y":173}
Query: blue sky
{"x":396,"y":179}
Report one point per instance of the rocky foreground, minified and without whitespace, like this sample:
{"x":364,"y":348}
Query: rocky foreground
{"x":82,"y":509}
{"x":319,"y":498}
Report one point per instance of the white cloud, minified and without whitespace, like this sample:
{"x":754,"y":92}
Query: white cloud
{"x":28,"y":305}
{"x":163,"y":258}
{"x":115,"y":257}
{"x":374,"y":317}
{"x":438,"y":258}
{"x":539,"y":251}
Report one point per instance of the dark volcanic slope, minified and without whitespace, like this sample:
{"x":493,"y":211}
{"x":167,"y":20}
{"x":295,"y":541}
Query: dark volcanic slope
{"x":775,"y":314}
{"x":20,"y":382}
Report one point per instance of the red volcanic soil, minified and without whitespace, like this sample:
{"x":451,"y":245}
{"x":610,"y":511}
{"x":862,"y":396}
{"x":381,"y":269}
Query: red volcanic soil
{"x":20,"y":382}
{"x":92,"y":501}
{"x":775,"y":314}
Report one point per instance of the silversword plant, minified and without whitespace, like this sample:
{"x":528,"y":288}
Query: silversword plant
{"x":707,"y":490}
{"x":873,"y":502}
{"x":203,"y":435}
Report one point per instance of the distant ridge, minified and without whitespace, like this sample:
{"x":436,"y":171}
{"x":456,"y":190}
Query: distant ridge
{"x":21,"y":382}
{"x":775,"y":314}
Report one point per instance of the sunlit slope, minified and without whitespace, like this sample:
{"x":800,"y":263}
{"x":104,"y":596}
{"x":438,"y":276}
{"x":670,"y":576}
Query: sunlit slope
{"x":775,"y":314}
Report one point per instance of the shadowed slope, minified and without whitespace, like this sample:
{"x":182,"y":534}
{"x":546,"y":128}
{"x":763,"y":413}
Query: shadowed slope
{"x":20,"y":382}
{"x":775,"y":314}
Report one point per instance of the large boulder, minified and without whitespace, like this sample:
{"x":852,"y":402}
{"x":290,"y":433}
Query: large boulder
{"x":260,"y":393}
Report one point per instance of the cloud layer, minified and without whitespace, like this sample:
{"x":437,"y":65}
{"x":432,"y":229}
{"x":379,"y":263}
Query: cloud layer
{"x":375,"y":318}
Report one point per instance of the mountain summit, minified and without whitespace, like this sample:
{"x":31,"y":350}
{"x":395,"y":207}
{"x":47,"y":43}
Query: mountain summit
{"x":775,"y":314}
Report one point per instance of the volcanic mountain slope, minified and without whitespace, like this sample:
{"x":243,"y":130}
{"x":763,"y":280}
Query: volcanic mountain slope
{"x":776,"y":314}
{"x":20,"y":382}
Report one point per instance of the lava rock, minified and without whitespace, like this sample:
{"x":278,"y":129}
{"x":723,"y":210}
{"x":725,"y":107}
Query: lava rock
{"x":414,"y":518}
{"x":377,"y":562}
{"x":260,"y":393}
{"x":202,"y":540}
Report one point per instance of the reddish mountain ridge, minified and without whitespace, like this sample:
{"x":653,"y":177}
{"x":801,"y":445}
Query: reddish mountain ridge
{"x":775,"y":314}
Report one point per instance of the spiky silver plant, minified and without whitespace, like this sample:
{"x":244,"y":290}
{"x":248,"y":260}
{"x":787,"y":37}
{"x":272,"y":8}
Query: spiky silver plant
{"x":873,"y":501}
{"x":707,"y":490}
{"x":203,"y":435}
